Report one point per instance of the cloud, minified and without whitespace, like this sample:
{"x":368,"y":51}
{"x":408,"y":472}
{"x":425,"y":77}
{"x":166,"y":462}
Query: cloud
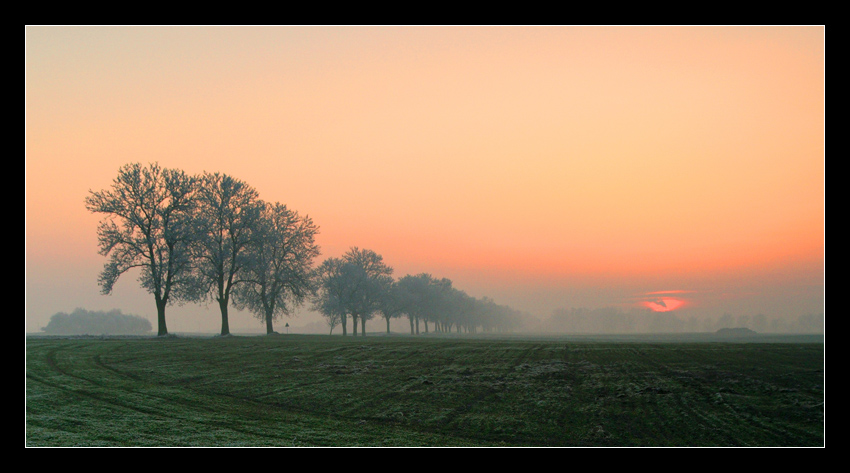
{"x":677,"y":291}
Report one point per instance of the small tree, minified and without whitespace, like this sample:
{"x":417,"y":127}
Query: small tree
{"x":148,"y":225}
{"x":331,"y":289}
{"x":332,"y":320}
{"x":278,"y":265}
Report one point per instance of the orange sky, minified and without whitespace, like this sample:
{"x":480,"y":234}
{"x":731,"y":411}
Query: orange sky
{"x":534,"y":165}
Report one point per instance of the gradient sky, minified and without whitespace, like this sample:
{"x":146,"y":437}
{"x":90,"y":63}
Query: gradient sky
{"x":544,"y":167}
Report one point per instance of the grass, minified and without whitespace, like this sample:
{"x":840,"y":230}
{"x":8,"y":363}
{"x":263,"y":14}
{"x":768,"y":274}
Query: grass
{"x":312,"y":390}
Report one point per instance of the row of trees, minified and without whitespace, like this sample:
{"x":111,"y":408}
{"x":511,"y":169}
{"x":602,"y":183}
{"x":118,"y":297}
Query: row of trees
{"x":359,"y":287}
{"x":211,"y":238}
{"x":203,"y":238}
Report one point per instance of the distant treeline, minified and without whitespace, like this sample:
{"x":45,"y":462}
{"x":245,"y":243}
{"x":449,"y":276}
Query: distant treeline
{"x":615,"y":320}
{"x":359,"y":286}
{"x":83,"y":322}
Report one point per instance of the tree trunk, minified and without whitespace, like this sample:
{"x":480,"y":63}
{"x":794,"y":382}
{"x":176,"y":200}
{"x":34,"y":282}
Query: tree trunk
{"x":354,"y":330}
{"x":362,"y":326}
{"x":160,"y":317}
{"x":269,"y":328}
{"x":410,"y":318}
{"x":344,"y":319}
{"x":225,"y":325}
{"x":388,"y":325}
{"x":417,"y":325}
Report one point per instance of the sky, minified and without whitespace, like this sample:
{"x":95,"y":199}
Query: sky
{"x":674,"y":169}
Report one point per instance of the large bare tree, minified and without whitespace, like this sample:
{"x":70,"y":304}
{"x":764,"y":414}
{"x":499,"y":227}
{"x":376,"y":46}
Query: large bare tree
{"x":277,"y":272}
{"x":148,"y":224}
{"x":228,"y":211}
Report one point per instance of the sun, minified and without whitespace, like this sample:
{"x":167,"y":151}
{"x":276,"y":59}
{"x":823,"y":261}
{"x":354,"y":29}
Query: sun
{"x":664,"y":301}
{"x":664,"y":304}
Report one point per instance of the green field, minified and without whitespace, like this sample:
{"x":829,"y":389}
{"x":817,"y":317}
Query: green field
{"x":303,"y":390}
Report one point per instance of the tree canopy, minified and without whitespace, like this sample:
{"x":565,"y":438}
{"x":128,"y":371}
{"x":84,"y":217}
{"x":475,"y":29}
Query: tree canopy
{"x":148,"y":224}
{"x":277,"y":270}
{"x":227,"y":216}
{"x":352,"y":286}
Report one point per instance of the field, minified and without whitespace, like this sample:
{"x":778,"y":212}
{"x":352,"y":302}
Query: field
{"x":303,"y":390}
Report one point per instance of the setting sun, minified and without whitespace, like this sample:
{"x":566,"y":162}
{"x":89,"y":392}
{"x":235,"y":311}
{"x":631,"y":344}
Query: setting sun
{"x":665,"y":304}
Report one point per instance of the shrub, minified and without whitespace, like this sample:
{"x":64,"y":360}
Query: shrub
{"x":83,"y":322}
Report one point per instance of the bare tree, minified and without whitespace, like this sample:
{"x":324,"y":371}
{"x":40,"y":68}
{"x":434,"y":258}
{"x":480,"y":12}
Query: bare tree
{"x":228,"y":211}
{"x":332,"y":320}
{"x":148,"y":225}
{"x":278,"y":266}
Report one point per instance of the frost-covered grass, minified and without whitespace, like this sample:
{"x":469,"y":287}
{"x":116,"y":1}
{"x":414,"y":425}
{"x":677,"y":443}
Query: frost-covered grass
{"x":301,"y":390}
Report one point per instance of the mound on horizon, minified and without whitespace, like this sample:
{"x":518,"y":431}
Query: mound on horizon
{"x":84,"y":322}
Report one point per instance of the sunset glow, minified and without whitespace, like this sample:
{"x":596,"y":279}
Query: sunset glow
{"x":544,"y":167}
{"x":665,"y":304}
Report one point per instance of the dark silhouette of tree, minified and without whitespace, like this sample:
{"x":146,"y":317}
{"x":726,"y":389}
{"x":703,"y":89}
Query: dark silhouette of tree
{"x":277,"y":269}
{"x":148,"y":225}
{"x":228,"y":211}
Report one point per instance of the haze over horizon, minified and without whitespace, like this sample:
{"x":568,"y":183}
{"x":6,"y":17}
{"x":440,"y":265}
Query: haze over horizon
{"x":675,"y":169}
